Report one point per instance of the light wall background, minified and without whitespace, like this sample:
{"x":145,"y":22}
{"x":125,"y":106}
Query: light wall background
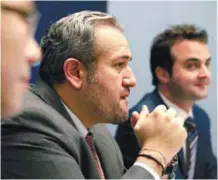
{"x":144,"y":19}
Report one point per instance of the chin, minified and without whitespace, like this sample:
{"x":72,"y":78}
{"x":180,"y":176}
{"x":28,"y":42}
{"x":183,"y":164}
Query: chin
{"x":125,"y":114}
{"x":125,"y":118}
{"x":200,"y":96}
{"x":120,"y":119}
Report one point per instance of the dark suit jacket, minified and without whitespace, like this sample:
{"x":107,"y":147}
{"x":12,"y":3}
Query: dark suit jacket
{"x":206,"y":165}
{"x":42,"y":142}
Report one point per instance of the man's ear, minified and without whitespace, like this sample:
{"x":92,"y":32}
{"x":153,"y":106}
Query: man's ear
{"x":74,"y":72}
{"x":162,"y":75}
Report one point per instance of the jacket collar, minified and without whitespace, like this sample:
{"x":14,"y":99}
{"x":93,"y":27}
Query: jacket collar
{"x":48,"y":94}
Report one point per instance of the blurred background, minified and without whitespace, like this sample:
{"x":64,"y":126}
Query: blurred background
{"x":142,"y":21}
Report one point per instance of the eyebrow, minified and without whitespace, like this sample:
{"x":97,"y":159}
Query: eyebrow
{"x":22,"y":11}
{"x":127,"y":57}
{"x":197,"y":60}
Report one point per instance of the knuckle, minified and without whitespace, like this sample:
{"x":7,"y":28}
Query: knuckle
{"x":169,"y":117}
{"x":155,"y":114}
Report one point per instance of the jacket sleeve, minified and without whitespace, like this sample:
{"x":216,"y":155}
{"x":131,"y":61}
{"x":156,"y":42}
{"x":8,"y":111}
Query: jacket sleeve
{"x":211,"y":160}
{"x":30,"y":154}
{"x":206,"y":165}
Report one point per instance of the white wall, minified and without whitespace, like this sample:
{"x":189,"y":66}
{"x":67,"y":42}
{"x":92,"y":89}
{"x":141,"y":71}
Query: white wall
{"x":144,"y":19}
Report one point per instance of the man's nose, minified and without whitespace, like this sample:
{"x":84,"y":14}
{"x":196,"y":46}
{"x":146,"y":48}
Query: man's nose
{"x":204,"y":72}
{"x":33,"y":52}
{"x":129,"y":78}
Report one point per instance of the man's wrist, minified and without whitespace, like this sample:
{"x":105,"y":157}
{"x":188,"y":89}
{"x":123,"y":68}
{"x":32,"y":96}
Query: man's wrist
{"x":172,"y":166}
{"x":151,"y":163}
{"x":156,"y":154}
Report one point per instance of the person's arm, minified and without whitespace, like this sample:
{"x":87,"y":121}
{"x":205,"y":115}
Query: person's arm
{"x":34,"y":148}
{"x":161,"y":136}
{"x":125,"y":134}
{"x":29,"y":154}
{"x":107,"y":141}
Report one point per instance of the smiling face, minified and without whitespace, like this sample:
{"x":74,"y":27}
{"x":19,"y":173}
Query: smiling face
{"x":18,"y":51}
{"x":190,"y":74}
{"x":107,"y":93}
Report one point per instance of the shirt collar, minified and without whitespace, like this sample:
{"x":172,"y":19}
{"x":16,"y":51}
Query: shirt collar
{"x":180,"y":112}
{"x":79,"y":125}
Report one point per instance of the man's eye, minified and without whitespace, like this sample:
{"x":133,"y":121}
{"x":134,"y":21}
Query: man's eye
{"x":192,"y":66}
{"x":119,"y":65}
{"x":208,"y":64}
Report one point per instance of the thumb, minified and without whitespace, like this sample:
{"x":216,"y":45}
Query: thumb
{"x":141,"y":117}
{"x":134,"y":118}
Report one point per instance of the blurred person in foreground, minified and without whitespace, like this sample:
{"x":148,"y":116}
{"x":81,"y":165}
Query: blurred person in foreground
{"x":19,"y":51}
{"x":180,"y":66}
{"x":85,"y":81}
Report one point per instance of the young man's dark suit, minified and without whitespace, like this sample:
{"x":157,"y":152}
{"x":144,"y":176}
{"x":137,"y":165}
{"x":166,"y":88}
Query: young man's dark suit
{"x":206,"y":165}
{"x":42,"y":142}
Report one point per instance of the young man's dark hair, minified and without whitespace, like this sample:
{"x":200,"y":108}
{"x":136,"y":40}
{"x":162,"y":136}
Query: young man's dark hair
{"x":160,"y":53}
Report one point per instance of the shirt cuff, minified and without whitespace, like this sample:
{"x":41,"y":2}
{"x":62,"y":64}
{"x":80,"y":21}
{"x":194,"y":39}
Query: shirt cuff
{"x":150,"y":170}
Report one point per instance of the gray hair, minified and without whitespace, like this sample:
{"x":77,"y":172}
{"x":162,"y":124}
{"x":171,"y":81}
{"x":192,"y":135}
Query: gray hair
{"x":72,"y":36}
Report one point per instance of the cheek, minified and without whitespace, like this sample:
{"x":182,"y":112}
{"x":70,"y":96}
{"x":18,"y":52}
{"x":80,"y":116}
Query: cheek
{"x":109,"y":92}
{"x":110,"y":81}
{"x":8,"y":72}
{"x":184,"y":81}
{"x":14,"y":39}
{"x":184,"y":77}
{"x":209,"y":77}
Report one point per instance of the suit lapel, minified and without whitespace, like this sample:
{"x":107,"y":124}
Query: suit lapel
{"x":156,"y":100}
{"x":108,"y":153}
{"x":182,"y":164}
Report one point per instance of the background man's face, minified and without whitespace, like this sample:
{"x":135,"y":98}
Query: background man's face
{"x":18,"y":51}
{"x":190,"y":74}
{"x":108,"y":93}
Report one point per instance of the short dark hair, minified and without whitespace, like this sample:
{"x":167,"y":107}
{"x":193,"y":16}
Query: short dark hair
{"x":160,"y":53}
{"x":72,"y":36}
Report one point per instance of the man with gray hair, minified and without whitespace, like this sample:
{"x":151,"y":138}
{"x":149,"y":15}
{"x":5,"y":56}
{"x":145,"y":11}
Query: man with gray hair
{"x":85,"y":81}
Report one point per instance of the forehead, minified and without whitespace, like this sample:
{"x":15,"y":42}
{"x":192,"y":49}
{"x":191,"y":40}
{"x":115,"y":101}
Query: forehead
{"x":187,"y":49}
{"x":110,"y":42}
{"x":22,"y":5}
